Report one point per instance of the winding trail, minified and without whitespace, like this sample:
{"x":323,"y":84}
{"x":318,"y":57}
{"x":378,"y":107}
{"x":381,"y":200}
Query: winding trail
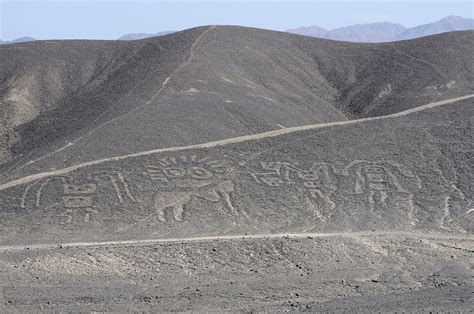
{"x":189,"y":56}
{"x":144,"y":242}
{"x":233,"y":140}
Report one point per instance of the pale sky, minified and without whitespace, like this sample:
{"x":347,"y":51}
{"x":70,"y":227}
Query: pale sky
{"x":110,"y":19}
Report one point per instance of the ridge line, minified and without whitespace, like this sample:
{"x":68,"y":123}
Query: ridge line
{"x":189,"y":55}
{"x":232,"y":140}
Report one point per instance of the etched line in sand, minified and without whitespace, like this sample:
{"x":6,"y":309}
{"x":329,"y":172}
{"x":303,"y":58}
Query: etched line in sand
{"x":233,"y":140}
{"x":426,"y":235}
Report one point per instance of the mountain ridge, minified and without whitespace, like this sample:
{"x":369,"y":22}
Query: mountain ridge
{"x":375,"y":32}
{"x":386,"y":31}
{"x":137,"y":36}
{"x":18,"y":40}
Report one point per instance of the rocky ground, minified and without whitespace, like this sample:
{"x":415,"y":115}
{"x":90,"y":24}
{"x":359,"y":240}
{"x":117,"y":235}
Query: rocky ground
{"x":348,"y":272}
{"x":378,"y":220}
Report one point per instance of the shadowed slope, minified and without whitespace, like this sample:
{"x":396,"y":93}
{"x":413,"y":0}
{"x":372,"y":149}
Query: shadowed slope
{"x":379,"y":79}
{"x":78,"y":84}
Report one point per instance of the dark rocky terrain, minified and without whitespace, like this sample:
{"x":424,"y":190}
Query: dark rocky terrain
{"x":234,"y":169}
{"x":75,"y":101}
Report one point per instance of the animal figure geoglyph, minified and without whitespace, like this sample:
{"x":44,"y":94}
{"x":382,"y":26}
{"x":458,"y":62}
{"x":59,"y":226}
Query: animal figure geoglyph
{"x":189,"y":178}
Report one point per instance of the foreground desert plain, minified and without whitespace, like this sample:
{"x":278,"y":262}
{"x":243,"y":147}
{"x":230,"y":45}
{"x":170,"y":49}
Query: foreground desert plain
{"x":234,"y":169}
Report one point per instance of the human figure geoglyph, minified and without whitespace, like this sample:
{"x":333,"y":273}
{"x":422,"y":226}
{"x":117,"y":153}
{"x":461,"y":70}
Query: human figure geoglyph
{"x":378,"y":180}
{"x":77,"y":195}
{"x":318,"y":181}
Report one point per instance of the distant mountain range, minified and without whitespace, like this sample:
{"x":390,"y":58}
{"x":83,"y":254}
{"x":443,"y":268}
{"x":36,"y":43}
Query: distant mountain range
{"x":132,"y":36}
{"x":386,"y":31}
{"x":135,"y":36}
{"x":18,"y":40}
{"x":370,"y":32}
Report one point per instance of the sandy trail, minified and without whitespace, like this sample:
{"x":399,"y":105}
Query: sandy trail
{"x":419,"y":235}
{"x":233,"y":140}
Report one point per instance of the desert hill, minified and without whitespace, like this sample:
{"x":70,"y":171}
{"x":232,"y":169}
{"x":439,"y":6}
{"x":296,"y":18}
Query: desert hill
{"x":95,"y":99}
{"x":407,"y":171}
{"x":324,"y":217}
{"x":236,"y":169}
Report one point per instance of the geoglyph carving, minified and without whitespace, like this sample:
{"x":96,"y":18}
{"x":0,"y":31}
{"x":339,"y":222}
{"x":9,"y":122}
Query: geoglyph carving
{"x":379,"y":180}
{"x":78,"y":197}
{"x":185,"y":179}
{"x":318,"y":181}
{"x":189,"y":177}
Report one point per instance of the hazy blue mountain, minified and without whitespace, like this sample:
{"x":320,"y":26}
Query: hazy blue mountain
{"x":135,"y":36}
{"x":386,"y":31}
{"x":313,"y":31}
{"x":373,"y":32}
{"x":18,"y":40}
{"x":448,"y":24}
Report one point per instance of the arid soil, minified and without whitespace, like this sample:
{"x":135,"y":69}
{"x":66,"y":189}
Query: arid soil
{"x":351,"y":191}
